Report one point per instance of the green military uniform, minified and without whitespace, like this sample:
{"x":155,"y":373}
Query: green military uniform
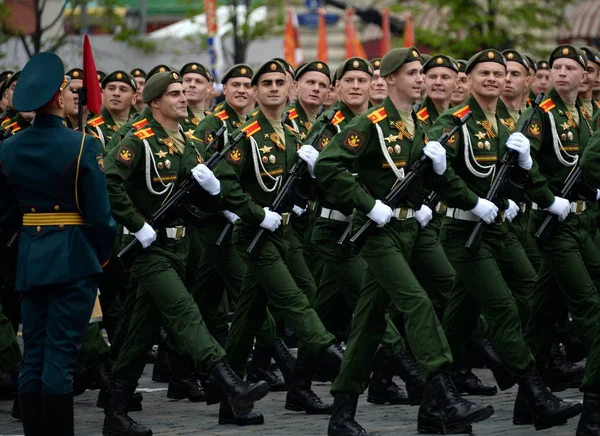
{"x":571,"y":262}
{"x":379,"y":163}
{"x":590,"y":108}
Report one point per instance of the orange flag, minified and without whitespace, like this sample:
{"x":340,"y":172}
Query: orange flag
{"x":93,"y":95}
{"x":409,"y":31}
{"x":322,"y":37}
{"x":353,"y":45}
{"x":386,"y":35}
{"x":291,"y":39}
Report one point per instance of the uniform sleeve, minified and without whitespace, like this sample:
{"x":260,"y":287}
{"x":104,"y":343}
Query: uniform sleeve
{"x":590,"y":161}
{"x":537,"y":186}
{"x":333,"y":169}
{"x":93,"y":200}
{"x":452,"y":189}
{"x":120,"y":164}
{"x":230,"y":172}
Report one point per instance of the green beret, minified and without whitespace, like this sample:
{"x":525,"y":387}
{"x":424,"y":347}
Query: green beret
{"x":397,"y":57}
{"x":569,"y":52}
{"x":462,"y":65}
{"x":13,"y":79}
{"x":440,"y":61}
{"x":592,"y":54}
{"x":317,"y":66}
{"x":138,"y":72}
{"x":489,"y":55}
{"x":195,"y":67}
{"x":158,"y":83}
{"x":543,"y":65}
{"x":239,"y":70}
{"x":532,"y":61}
{"x":101,"y":75}
{"x":160,"y":68}
{"x":119,"y":76}
{"x":39,"y":82}
{"x":425,"y":58}
{"x":75,"y":73}
{"x":272,"y":66}
{"x":515,"y":56}
{"x":375,"y":63}
{"x":4,"y":75}
{"x":287,"y":65}
{"x":354,"y":64}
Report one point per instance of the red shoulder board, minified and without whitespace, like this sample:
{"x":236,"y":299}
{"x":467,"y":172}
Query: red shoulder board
{"x":140,"y":124}
{"x":96,"y":121}
{"x":597,"y":104}
{"x":251,"y":128}
{"x":423,"y":114}
{"x":15,"y":130}
{"x":462,"y":112}
{"x":293,"y":113}
{"x":547,"y":105}
{"x":5,"y":122}
{"x":222,"y":115}
{"x":291,"y":129}
{"x":529,"y":101}
{"x":338,"y":118}
{"x":144,"y":133}
{"x":377,"y":116}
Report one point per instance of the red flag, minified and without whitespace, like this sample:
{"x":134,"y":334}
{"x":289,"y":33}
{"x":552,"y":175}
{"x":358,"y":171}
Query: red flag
{"x":291,"y":39}
{"x":409,"y":31}
{"x":322,"y":37}
{"x":386,"y":35}
{"x":353,"y":45}
{"x":90,"y":78}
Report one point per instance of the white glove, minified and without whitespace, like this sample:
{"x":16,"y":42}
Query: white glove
{"x":519,"y":143}
{"x":381,"y":213}
{"x":560,"y":207}
{"x":231,"y":217}
{"x":437,"y":153}
{"x":205,"y":178}
{"x":271,"y":221}
{"x":298,"y":210}
{"x":486,"y":210}
{"x":597,"y":194}
{"x":512,"y":211}
{"x":309,"y":155}
{"x":424,"y":215}
{"x":146,"y":235}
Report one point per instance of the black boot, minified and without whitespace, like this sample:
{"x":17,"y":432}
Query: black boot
{"x":241,"y":394}
{"x":444,"y":411}
{"x":523,"y":411}
{"x":382,"y":388}
{"x":151,"y":357}
{"x":134,"y":405}
{"x":80,"y":379}
{"x":331,"y":359}
{"x":16,"y":409}
{"x":561,"y":373}
{"x":212,"y":393}
{"x":300,"y":396}
{"x":30,"y":411}
{"x":342,"y":421}
{"x":547,"y":409}
{"x":408,"y":370}
{"x":589,"y":423}
{"x":116,"y":420}
{"x":468,"y":383}
{"x":486,"y":355}
{"x":572,"y":343}
{"x":9,"y":382}
{"x":226,"y":416}
{"x":183,"y":382}
{"x":161,"y":372}
{"x":284,"y":359}
{"x":99,"y":375}
{"x":57,"y":415}
{"x":260,"y":369}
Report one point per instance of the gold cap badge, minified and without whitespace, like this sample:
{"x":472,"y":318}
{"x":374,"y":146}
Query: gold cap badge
{"x":273,"y":66}
{"x":75,"y":73}
{"x":491,"y":55}
{"x":319,"y":66}
{"x":415,"y":54}
{"x":440,"y":61}
{"x":119,"y":76}
{"x":565,"y":51}
{"x":175,"y":76}
{"x":194,"y":67}
{"x":243,"y":71}
{"x":510,"y":55}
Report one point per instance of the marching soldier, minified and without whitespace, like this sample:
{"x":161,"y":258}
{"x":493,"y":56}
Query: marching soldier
{"x":140,"y":77}
{"x":463,"y":88}
{"x":511,"y":103}
{"x":4,"y":76}
{"x":14,"y":121}
{"x":67,"y":226}
{"x":441,"y":75}
{"x":542,"y":81}
{"x":196,"y":82}
{"x":589,"y":107}
{"x":379,"y":90}
{"x":380,"y":144}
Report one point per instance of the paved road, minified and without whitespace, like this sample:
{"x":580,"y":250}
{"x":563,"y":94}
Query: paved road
{"x":166,"y":417}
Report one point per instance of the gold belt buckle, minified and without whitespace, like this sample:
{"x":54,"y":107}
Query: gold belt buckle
{"x":500,"y":217}
{"x":179,"y":232}
{"x":443,"y":208}
{"x":285,"y":218}
{"x":579,"y":207}
{"x":523,"y":206}
{"x":403,"y":214}
{"x":312,"y":205}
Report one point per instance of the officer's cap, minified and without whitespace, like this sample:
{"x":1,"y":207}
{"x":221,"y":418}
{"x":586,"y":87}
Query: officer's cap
{"x":489,"y":55}
{"x":592,"y":54}
{"x":287,"y":65}
{"x":462,"y":65}
{"x":119,"y":76}
{"x":375,"y":63}
{"x":101,"y":75}
{"x":272,"y":66}
{"x":440,"y":61}
{"x":239,"y":70}
{"x":158,"y":83}
{"x":543,"y":65}
{"x":12,"y":79}
{"x":138,"y":72}
{"x":354,"y":64}
{"x":5,"y":75}
{"x":160,"y":68}
{"x":317,"y":66}
{"x":195,"y":67}
{"x":75,"y":73}
{"x":397,"y":57}
{"x":569,"y":52}
{"x":515,"y":56}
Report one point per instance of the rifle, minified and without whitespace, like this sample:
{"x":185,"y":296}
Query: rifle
{"x":296,"y":172}
{"x":401,"y":187}
{"x":507,"y":162}
{"x":176,"y":200}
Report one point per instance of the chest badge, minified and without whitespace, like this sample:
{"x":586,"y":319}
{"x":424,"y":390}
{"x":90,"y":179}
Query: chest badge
{"x":168,"y":164}
{"x":161,"y":154}
{"x":265,"y":149}
{"x":272,"y":159}
{"x":480,"y":135}
{"x":391,"y":138}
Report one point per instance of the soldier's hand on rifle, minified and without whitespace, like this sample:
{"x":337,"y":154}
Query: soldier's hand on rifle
{"x":512,"y":211}
{"x":146,"y":235}
{"x":309,"y":155}
{"x":298,"y":210}
{"x":271,"y":221}
{"x":486,"y":210}
{"x":424,"y":215}
{"x":381,"y":213}
{"x":437,"y":153}
{"x":206,"y":179}
{"x":560,"y":207}
{"x":231,"y":217}
{"x":519,"y":143}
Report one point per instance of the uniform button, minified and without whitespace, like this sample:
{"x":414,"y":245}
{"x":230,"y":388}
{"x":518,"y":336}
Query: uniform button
{"x":56,"y":207}
{"x":33,"y":209}
{"x":38,"y":228}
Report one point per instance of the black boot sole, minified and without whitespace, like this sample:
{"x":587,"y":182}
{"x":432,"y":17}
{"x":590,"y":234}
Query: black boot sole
{"x":459,"y":427}
{"x":242,"y":422}
{"x":482,"y":393}
{"x":381,"y":400}
{"x":559,"y":419}
{"x":298,"y":408}
{"x":118,"y":433}
{"x":246,"y":402}
{"x":177,"y":396}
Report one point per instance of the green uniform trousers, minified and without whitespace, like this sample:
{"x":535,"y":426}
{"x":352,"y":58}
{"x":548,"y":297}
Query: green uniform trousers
{"x":389,"y":278}
{"x":162,"y":297}
{"x":486,"y":283}
{"x":268,"y":280}
{"x":94,"y":348}
{"x":570,"y":269}
{"x":347,"y":271}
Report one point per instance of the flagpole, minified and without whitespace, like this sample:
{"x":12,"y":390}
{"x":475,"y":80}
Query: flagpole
{"x":82,"y":101}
